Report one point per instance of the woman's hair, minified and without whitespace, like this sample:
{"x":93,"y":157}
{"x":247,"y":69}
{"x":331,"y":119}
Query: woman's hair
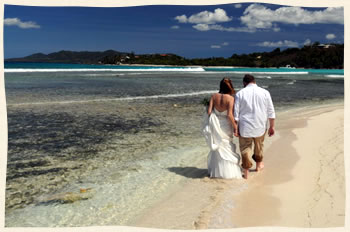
{"x":226,"y":86}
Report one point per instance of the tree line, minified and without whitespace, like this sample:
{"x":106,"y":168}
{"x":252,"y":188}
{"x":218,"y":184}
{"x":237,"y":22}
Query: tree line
{"x":316,"y":55}
{"x":330,"y":56}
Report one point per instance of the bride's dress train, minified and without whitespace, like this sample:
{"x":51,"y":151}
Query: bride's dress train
{"x":223,"y":160}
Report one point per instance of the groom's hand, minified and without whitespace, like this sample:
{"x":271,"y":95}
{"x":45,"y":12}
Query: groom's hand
{"x":271,"y":131}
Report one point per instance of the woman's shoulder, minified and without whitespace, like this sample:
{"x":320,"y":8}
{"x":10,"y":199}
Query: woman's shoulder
{"x":229,"y":97}
{"x":215,"y":95}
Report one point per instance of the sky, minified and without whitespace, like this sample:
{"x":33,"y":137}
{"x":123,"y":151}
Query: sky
{"x":188,"y":31}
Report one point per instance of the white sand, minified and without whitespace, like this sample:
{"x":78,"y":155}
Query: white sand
{"x":302,"y":185}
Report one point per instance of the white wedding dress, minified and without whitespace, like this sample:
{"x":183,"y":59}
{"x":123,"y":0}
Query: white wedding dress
{"x":223,"y":160}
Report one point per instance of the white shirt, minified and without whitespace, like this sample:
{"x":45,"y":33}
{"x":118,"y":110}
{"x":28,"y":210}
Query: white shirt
{"x":253,"y":108}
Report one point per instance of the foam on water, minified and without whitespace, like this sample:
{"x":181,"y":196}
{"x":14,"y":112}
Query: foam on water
{"x":261,"y":72}
{"x":120,"y":99}
{"x":335,"y":76}
{"x":21,"y":70}
{"x":263,"y":77}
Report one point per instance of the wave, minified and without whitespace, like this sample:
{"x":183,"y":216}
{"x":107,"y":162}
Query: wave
{"x":20,"y":70}
{"x":111,"y":74}
{"x":259,"y":72}
{"x":102,"y":74}
{"x":335,"y":76}
{"x":292,"y":82}
{"x":120,"y":99}
{"x":263,"y":77}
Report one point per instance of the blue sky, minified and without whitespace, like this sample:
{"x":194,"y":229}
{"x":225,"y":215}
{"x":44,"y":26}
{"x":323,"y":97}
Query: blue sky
{"x":189,"y":31}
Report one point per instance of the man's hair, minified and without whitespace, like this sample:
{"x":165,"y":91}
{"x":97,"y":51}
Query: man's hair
{"x":248,"y":79}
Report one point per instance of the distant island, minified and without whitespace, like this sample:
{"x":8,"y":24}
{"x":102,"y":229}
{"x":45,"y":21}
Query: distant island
{"x":316,"y":55}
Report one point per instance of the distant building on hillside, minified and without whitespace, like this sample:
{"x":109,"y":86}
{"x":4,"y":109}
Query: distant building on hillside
{"x":325,"y":45}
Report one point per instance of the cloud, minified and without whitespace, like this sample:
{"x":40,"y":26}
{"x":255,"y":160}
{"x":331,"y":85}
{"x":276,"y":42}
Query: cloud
{"x":181,"y":18}
{"x":307,"y":42}
{"x":285,"y":43}
{"x":219,"y":46}
{"x":330,"y":36}
{"x":175,"y":27}
{"x":205,"y":17}
{"x":276,"y":29}
{"x":257,"y":16}
{"x":206,"y":27}
{"x":17,"y":22}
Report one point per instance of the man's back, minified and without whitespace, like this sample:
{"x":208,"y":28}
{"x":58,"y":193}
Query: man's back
{"x":253,"y":107}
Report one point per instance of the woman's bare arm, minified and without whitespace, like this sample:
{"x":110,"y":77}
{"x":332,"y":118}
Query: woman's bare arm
{"x":230,"y":116}
{"x":210,"y":107}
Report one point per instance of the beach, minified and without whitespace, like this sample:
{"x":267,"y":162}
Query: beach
{"x":302,"y":184}
{"x":121,"y":147}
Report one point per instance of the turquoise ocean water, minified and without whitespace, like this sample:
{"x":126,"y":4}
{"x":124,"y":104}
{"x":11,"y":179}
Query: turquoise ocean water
{"x":60,"y":66}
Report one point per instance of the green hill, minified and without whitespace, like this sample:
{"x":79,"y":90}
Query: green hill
{"x":312,"y":56}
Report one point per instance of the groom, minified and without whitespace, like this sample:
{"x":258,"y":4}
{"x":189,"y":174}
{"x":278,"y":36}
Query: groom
{"x":253,"y":109}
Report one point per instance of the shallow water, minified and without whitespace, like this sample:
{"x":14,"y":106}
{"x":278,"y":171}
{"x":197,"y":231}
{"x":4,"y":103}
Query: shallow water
{"x":96,"y":148}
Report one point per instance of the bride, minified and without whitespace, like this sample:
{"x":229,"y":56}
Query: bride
{"x":219,"y":128}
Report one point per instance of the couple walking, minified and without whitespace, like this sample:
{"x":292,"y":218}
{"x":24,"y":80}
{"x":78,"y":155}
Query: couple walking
{"x":245,"y":116}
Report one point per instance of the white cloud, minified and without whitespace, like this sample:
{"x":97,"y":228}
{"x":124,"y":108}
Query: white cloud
{"x":276,"y":29}
{"x":238,"y":5}
{"x":307,"y":42}
{"x":202,"y":27}
{"x":205,"y":17}
{"x":225,"y":44}
{"x":17,"y":22}
{"x":257,"y":16}
{"x":285,"y":43}
{"x":215,"y":46}
{"x":206,"y":27}
{"x":330,"y":36}
{"x":175,"y":27}
{"x":181,"y":18}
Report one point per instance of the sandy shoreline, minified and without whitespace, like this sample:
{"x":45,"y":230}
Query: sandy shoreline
{"x":303,"y":184}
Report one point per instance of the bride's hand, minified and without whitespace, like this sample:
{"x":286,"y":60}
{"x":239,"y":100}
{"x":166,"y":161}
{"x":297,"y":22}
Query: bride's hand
{"x":235,"y":131}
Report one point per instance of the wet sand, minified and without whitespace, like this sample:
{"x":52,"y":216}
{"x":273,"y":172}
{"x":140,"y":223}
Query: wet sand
{"x":302,"y":185}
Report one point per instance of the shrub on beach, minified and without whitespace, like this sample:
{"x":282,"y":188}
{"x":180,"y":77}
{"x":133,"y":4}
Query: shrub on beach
{"x":205,"y":101}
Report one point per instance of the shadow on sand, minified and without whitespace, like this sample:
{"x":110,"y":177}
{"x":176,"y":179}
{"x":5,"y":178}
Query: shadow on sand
{"x":190,"y":172}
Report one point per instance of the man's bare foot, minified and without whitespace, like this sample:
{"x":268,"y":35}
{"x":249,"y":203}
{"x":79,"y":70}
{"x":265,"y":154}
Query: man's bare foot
{"x":259,"y":166}
{"x":245,"y":173}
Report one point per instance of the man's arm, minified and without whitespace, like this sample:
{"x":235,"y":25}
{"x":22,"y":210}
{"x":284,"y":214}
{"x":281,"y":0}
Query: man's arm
{"x":236,"y":114}
{"x":236,"y":109}
{"x":272,"y":127}
{"x":271,"y":115}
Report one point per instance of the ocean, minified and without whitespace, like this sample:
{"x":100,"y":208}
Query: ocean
{"x":99,"y":144}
